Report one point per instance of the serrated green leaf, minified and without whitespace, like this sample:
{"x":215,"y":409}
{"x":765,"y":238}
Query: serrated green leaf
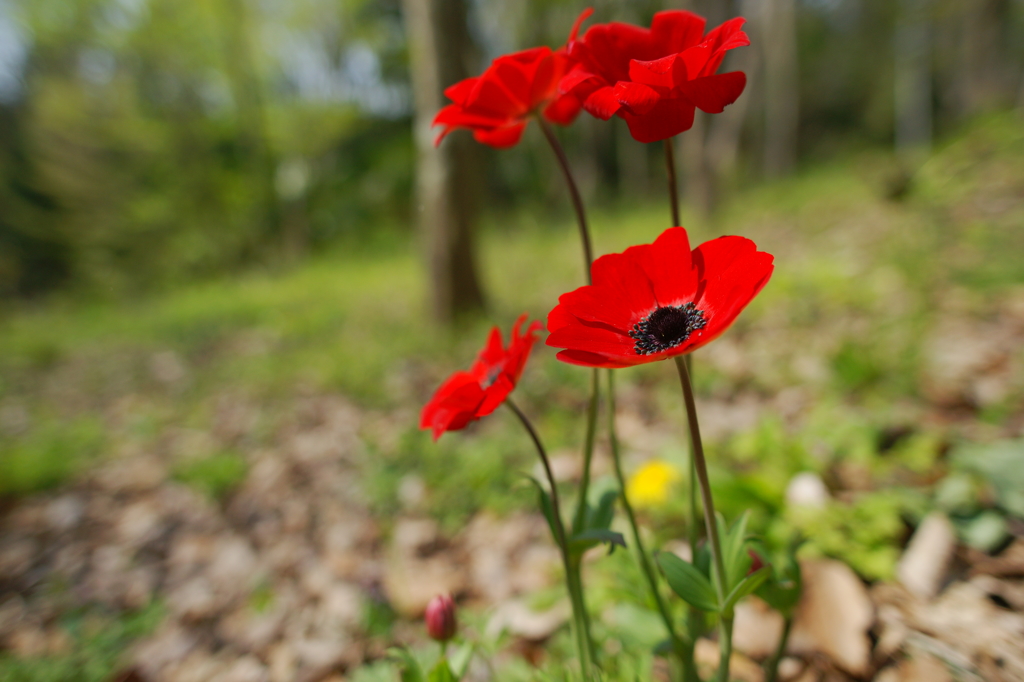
{"x":745,"y":587}
{"x":409,"y":669}
{"x":459,"y":661}
{"x":581,"y":542}
{"x":688,"y":582}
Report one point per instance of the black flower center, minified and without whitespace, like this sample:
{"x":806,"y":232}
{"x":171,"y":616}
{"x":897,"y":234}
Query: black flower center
{"x":666,"y":328}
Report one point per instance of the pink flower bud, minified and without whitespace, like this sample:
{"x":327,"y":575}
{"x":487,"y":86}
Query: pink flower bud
{"x":756,"y":562}
{"x":440,"y":618}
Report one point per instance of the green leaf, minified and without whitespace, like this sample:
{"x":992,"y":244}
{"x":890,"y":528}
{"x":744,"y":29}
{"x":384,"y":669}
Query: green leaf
{"x":688,"y":582}
{"x":745,"y":587}
{"x":600,"y":517}
{"x":581,"y":542}
{"x":441,"y":672}
{"x":546,"y":507}
{"x":409,"y":669}
{"x":459,"y":661}
{"x":737,"y":563}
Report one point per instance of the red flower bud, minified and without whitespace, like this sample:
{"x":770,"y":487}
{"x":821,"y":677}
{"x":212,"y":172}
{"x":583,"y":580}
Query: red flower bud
{"x":440,"y":618}
{"x":756,"y":562}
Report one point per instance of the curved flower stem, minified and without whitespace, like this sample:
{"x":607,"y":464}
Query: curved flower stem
{"x":581,"y":622}
{"x":718,"y":563}
{"x":574,"y":192}
{"x":579,"y":518}
{"x":673,"y":186}
{"x":678,"y":645}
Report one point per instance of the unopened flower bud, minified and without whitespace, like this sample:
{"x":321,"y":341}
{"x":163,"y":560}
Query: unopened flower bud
{"x":440,"y":618}
{"x":756,"y":562}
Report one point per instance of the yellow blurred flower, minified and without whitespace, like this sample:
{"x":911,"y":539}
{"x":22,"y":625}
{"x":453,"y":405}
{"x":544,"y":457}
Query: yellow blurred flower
{"x":649,"y":485}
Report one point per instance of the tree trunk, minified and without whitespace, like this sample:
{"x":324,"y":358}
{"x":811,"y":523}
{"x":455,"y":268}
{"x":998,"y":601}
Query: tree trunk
{"x":913,"y":79}
{"x":781,"y":86}
{"x":445,"y":177}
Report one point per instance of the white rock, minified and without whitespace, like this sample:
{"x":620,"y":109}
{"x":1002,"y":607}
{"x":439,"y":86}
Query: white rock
{"x":924,"y":564}
{"x":806,"y":489}
{"x":756,"y":629}
{"x":834,"y":616}
{"x":518,"y":619}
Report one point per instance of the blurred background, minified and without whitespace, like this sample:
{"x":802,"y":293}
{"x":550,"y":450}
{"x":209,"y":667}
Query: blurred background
{"x":221,"y":310}
{"x":150,"y":143}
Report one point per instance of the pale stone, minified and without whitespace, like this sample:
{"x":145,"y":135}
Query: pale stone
{"x":924,"y":564}
{"x":756,"y":628}
{"x":806,"y":489}
{"x":834,"y":616}
{"x":518,"y":619}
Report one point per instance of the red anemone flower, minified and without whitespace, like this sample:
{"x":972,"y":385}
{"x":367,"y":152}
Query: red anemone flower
{"x":467,"y":396}
{"x":656,"y":301}
{"x":495,"y":105}
{"x":654,"y":78}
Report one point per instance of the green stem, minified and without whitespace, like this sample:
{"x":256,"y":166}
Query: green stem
{"x":678,"y":645}
{"x":574,"y":193}
{"x":582,"y":628}
{"x":673,"y":186}
{"x":771,"y":667}
{"x":579,"y":521}
{"x":718,"y":563}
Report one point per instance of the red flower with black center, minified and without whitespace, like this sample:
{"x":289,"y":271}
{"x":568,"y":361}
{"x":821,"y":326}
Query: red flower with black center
{"x":656,"y":301}
{"x":497,"y":104}
{"x":467,"y":396}
{"x":654,"y":78}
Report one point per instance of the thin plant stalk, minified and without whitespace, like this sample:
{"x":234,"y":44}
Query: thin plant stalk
{"x":574,"y":193}
{"x":718,"y":563}
{"x":771,"y":667}
{"x":692,"y":526}
{"x":673,"y":186}
{"x":579,"y":518}
{"x":678,"y":645}
{"x":582,"y":625}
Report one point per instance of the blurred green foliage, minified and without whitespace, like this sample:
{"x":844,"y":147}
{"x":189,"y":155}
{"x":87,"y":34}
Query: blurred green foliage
{"x":152,"y":143}
{"x":215,"y":475}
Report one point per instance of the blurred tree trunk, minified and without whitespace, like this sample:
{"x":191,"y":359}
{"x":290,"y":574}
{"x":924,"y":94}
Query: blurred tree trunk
{"x":913,"y":78}
{"x":445,"y":175}
{"x":781,"y":86}
{"x":252,"y":120}
{"x":699,"y":180}
{"x":983,"y":79}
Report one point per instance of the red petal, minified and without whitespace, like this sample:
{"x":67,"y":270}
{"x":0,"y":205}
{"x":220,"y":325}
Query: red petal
{"x":622,"y":273}
{"x":461,"y":90}
{"x":713,"y":93}
{"x":656,"y":73}
{"x":602,"y":103}
{"x":696,"y":58}
{"x":601,"y":304}
{"x":676,"y":30}
{"x":586,"y":359}
{"x":590,"y":338}
{"x":669,"y":266}
{"x":637,"y":97}
{"x":668,"y":117}
{"x":563,"y":110}
{"x":579,"y":21}
{"x":576,"y":76}
{"x":501,"y":138}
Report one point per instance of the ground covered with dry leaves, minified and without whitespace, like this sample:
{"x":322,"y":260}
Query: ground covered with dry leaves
{"x":227,"y":483}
